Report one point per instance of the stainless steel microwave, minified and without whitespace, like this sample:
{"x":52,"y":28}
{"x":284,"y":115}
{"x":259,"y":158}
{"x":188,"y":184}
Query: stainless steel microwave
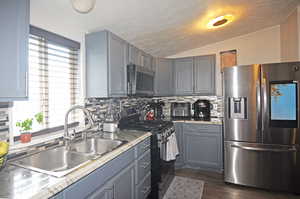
{"x":140,"y":81}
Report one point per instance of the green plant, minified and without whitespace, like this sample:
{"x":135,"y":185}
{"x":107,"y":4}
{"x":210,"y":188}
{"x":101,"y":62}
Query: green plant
{"x":26,"y":125}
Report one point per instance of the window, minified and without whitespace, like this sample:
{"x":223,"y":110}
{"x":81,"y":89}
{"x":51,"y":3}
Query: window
{"x":54,"y":80}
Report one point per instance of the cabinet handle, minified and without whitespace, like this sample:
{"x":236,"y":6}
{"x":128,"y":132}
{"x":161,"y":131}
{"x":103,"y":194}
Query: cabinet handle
{"x":146,"y":190}
{"x":144,"y":165}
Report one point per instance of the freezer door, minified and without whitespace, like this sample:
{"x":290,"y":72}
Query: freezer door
{"x":263,"y":166}
{"x":280,"y":103}
{"x":242,"y":103}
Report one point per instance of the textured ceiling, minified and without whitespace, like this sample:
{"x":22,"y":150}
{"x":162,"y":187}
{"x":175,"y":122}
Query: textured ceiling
{"x":161,"y":27}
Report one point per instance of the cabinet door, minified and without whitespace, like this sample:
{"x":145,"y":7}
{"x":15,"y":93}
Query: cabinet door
{"x":134,"y":55}
{"x":106,"y":192}
{"x":183,"y":76}
{"x":202,"y":149}
{"x":118,"y":57}
{"x":180,"y":158}
{"x":164,"y":77}
{"x":147,"y":61}
{"x":14,"y":23}
{"x":204,"y":75}
{"x":124,"y":184}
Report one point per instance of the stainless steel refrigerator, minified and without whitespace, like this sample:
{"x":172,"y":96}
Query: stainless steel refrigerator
{"x":261,"y":126}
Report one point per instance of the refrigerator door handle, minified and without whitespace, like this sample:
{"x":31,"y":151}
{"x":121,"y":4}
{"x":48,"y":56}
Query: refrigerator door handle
{"x":258,"y":101}
{"x":251,"y":148}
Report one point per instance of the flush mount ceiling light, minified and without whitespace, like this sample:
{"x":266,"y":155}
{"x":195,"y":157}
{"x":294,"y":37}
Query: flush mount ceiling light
{"x":83,"y":6}
{"x":220,"y":21}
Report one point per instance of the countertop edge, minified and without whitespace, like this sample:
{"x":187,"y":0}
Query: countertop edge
{"x":86,"y":169}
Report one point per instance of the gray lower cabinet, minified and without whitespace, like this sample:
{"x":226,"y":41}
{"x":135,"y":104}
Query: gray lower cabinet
{"x":204,"y":75}
{"x":106,"y":61}
{"x":164,"y":83}
{"x":14,"y":34}
{"x":183,"y":76}
{"x":202,"y":147}
{"x":128,"y":176}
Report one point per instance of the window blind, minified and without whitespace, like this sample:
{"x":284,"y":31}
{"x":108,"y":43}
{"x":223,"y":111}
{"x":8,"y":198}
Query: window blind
{"x":54,"y":84}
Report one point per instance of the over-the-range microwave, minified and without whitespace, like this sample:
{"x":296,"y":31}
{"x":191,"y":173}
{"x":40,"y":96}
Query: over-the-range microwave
{"x":140,"y":81}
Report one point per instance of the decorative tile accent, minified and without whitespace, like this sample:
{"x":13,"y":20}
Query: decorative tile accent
{"x":4,"y":120}
{"x":116,"y":108}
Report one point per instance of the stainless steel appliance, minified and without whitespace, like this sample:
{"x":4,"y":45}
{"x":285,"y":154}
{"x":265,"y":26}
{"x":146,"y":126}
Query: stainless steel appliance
{"x":180,"y":110}
{"x":261,"y":132}
{"x":202,"y":110}
{"x":140,"y":81}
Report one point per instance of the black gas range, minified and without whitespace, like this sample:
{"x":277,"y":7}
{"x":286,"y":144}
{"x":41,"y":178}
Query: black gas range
{"x":162,"y":172}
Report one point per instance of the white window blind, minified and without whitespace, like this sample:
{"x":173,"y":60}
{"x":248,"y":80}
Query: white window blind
{"x":54,"y":84}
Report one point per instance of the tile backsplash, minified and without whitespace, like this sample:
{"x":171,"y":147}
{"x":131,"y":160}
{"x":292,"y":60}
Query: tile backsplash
{"x":216,"y":101}
{"x":4,"y":120}
{"x":102,"y":108}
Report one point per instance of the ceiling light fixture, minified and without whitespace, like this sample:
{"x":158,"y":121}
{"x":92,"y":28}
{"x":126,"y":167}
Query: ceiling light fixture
{"x":83,"y":6}
{"x":220,"y":21}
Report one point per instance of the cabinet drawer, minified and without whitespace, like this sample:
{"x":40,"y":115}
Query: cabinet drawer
{"x":142,"y":147}
{"x":144,"y":188}
{"x":143,"y":166}
{"x":201,"y":128}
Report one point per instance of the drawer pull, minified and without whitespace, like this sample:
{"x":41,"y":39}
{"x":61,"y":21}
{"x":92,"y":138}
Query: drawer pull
{"x":146,"y":190}
{"x":144,"y":165}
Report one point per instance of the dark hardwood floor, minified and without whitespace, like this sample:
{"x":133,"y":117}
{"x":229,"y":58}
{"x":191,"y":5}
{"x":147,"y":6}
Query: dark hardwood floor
{"x":215,"y":188}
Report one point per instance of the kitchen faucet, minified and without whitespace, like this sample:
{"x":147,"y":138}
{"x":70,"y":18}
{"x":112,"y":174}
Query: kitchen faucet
{"x":66,"y":129}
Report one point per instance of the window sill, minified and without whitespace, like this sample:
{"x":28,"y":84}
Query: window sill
{"x":18,"y":146}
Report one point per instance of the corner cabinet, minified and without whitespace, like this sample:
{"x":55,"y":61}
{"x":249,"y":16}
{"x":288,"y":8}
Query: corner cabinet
{"x":164,"y":77}
{"x":195,"y":75}
{"x":183,"y":75}
{"x":106,"y":61}
{"x":200,"y":146}
{"x":14,"y":34}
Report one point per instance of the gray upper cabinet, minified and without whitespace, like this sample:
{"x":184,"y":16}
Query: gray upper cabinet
{"x":147,"y":61}
{"x":164,"y":83}
{"x":118,"y":60}
{"x":106,"y":61}
{"x":204,"y":75}
{"x":195,"y":75}
{"x":134,"y":55}
{"x":14,"y":22}
{"x":183,"y":74}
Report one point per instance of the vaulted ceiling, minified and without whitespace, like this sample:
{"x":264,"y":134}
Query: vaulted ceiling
{"x":161,"y":27}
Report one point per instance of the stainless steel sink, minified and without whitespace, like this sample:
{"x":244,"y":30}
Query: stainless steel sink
{"x":96,"y":146}
{"x":57,"y":162}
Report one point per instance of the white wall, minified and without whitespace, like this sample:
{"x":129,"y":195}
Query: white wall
{"x":258,"y":47}
{"x":289,"y":37}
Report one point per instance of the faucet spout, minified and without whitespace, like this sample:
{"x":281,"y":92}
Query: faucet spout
{"x":88,"y":115}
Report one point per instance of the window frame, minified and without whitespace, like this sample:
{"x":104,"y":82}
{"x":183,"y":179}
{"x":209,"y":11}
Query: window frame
{"x":55,"y":39}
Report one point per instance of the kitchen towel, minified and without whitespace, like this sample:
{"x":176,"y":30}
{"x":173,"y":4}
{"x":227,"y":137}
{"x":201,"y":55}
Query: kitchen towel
{"x":171,"y":148}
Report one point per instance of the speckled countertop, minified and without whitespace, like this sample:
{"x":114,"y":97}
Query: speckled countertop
{"x":22,"y":183}
{"x":215,"y":121}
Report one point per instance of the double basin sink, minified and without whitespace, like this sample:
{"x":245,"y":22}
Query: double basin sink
{"x":62,"y":160}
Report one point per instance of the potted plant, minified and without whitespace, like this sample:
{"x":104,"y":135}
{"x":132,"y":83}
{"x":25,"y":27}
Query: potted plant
{"x":26,"y":126}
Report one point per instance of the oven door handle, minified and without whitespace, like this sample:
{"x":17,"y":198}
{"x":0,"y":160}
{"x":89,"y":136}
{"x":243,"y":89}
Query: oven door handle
{"x":251,"y":148}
